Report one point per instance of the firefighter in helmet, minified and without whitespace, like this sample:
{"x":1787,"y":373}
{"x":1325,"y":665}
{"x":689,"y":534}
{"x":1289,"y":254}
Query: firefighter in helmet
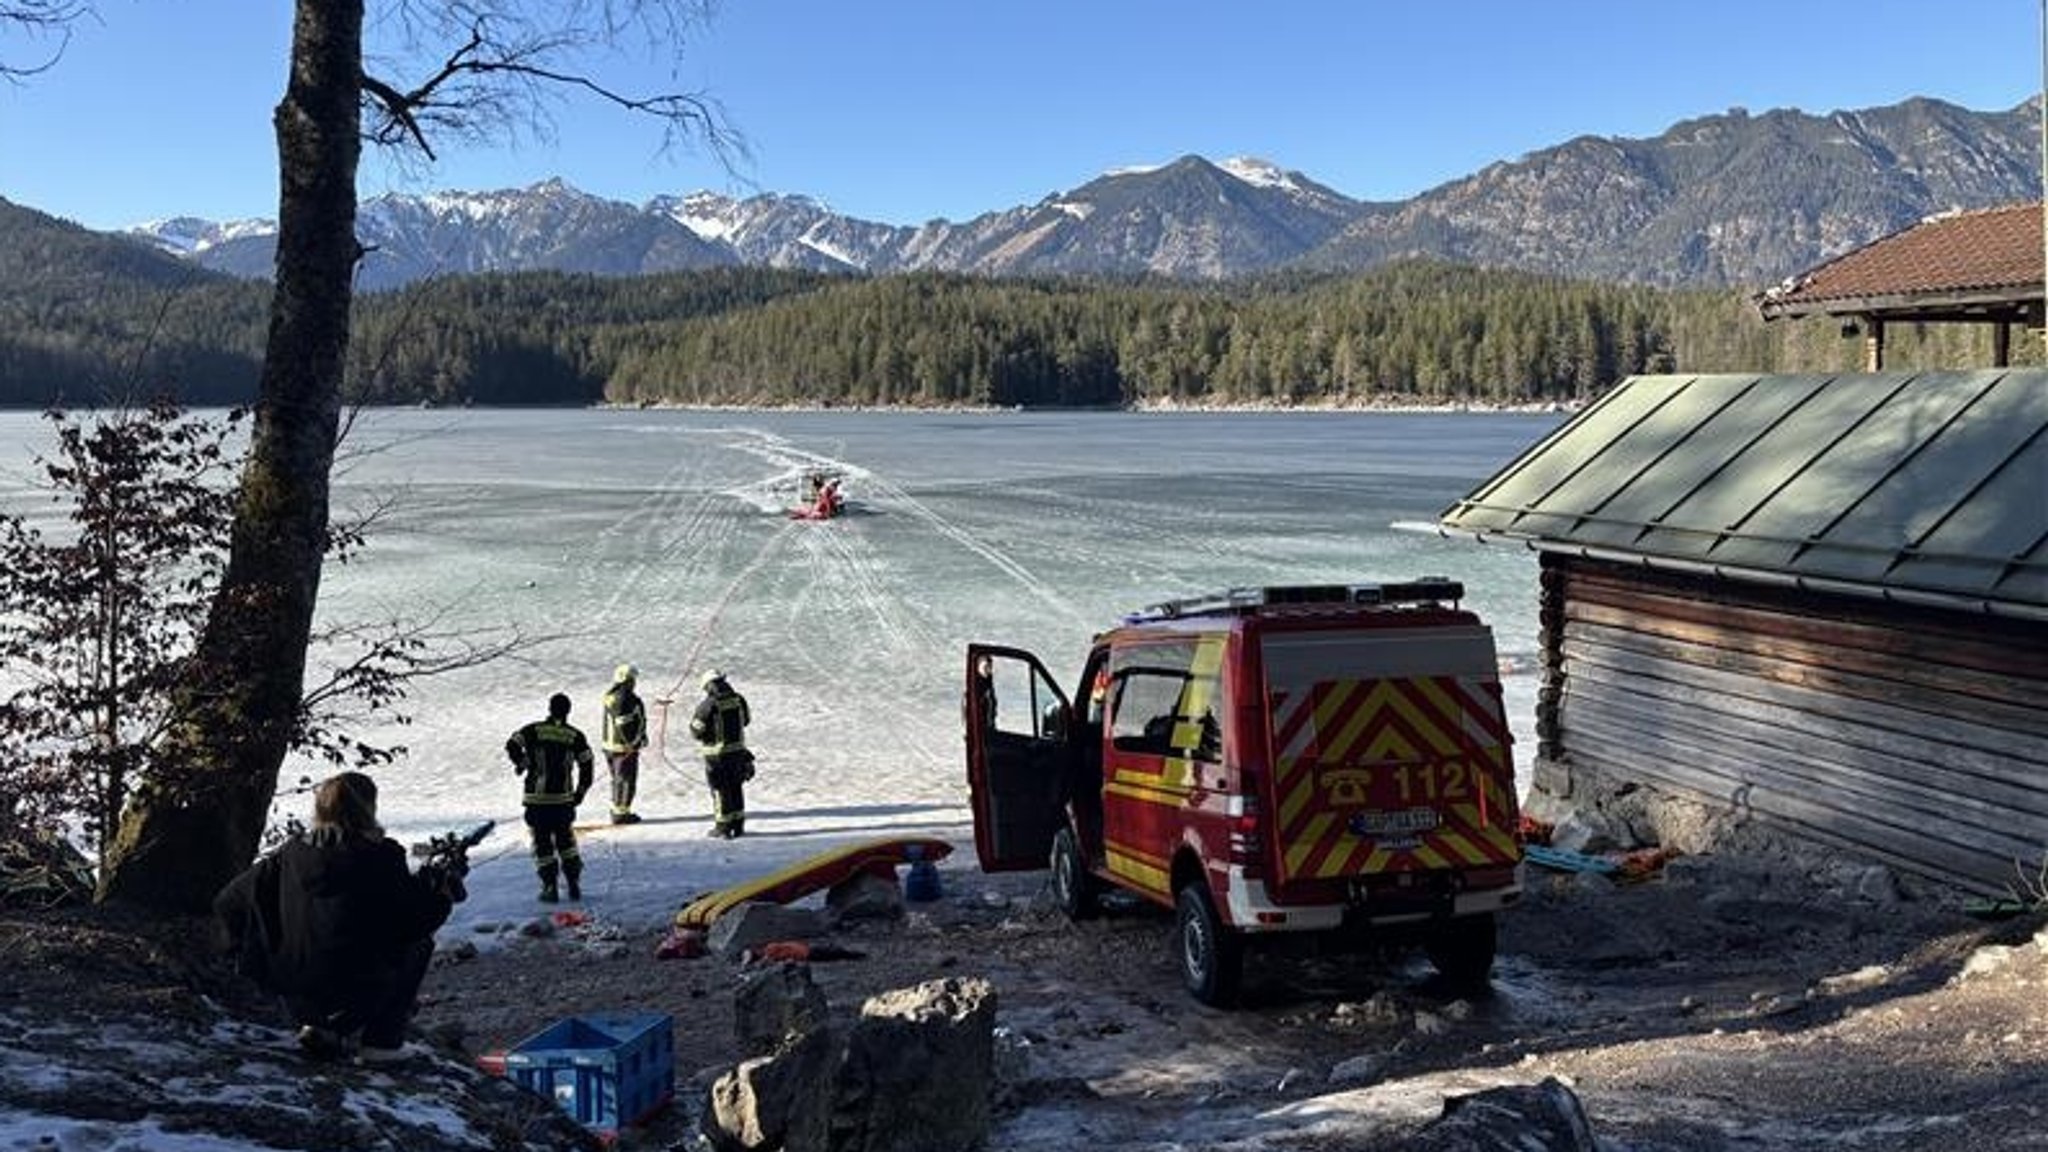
{"x":546,"y":752}
{"x":720,"y":726}
{"x":623,"y":735}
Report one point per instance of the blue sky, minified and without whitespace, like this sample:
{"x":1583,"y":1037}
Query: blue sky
{"x":907,"y":110}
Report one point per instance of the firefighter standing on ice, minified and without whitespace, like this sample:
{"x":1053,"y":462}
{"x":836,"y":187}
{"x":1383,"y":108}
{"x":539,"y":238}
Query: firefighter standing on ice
{"x":720,"y":726}
{"x":623,"y":735}
{"x":545,"y":752}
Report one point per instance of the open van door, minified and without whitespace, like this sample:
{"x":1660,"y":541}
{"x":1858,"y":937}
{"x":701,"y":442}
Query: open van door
{"x":1018,"y":757}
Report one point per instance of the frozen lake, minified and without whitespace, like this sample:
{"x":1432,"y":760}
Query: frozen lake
{"x":659,"y":538}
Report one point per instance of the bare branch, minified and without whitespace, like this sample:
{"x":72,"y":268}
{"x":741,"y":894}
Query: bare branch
{"x":398,"y":653}
{"x":388,"y":657}
{"x":38,"y":15}
{"x":40,"y":19}
{"x":513,"y":57}
{"x":398,"y":110}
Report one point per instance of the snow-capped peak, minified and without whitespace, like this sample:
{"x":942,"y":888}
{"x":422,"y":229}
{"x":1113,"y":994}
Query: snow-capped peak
{"x":236,"y":229}
{"x":484,"y":207}
{"x":191,"y":235}
{"x":1259,"y":173}
{"x":720,"y":218}
{"x":708,"y":214}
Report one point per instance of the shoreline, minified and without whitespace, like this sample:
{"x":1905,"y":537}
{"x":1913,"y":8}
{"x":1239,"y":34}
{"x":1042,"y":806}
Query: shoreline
{"x":1449,"y":407}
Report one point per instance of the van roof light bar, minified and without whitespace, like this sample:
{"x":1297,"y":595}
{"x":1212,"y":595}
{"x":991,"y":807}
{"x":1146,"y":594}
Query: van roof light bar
{"x":1240,"y":601}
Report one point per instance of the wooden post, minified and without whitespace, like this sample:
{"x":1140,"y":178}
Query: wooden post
{"x":2001,"y":344}
{"x":1873,"y":344}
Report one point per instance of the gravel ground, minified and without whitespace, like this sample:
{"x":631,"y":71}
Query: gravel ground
{"x":1728,"y":1003}
{"x":1723,"y":1004}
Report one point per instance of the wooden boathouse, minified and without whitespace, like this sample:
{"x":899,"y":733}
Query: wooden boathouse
{"x":1815,"y":602}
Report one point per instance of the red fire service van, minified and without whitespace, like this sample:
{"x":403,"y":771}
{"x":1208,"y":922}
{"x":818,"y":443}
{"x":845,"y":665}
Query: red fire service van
{"x":1329,"y":759}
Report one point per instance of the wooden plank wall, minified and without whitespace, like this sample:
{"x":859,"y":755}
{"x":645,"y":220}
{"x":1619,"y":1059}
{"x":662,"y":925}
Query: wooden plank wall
{"x":1912,"y":736}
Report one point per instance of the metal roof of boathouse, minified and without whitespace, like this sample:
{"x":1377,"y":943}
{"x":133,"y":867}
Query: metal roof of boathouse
{"x":1926,"y":487}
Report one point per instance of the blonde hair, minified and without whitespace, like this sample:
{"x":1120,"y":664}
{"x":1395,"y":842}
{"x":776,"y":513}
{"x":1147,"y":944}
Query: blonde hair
{"x":347,"y":803}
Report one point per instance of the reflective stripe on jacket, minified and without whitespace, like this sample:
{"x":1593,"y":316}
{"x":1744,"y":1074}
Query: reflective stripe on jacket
{"x":720,"y":722}
{"x":625,"y":721}
{"x":547,"y":752}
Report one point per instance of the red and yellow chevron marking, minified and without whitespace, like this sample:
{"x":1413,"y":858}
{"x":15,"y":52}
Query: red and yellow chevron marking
{"x":1387,"y":747}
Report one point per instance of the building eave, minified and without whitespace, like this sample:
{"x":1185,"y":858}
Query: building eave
{"x":1887,"y":593}
{"x":1986,"y":305}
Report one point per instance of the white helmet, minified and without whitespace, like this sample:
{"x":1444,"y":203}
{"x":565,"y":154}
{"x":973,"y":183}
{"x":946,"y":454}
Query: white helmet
{"x":624,"y":673}
{"x":711,"y":676}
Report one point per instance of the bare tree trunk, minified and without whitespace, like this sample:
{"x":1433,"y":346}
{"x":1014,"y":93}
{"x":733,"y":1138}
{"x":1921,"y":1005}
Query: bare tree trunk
{"x":200,"y":820}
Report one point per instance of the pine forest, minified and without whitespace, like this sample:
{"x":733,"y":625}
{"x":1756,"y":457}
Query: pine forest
{"x":1406,"y":333}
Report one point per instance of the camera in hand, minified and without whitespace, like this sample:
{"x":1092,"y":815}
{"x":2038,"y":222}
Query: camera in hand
{"x":446,"y":856}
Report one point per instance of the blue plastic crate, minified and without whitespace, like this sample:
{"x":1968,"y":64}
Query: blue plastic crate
{"x":607,"y":1070}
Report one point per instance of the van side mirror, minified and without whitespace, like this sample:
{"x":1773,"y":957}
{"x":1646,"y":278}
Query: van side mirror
{"x":1052,"y":724}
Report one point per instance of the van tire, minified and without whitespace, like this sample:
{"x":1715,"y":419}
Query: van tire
{"x":1211,"y":954}
{"x":1462,"y":950}
{"x":1073,"y":885}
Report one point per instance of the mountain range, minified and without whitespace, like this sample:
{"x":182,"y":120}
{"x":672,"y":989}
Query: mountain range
{"x":1728,"y":199}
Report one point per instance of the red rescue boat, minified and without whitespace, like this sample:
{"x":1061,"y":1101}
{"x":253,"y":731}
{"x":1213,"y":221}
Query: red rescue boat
{"x":821,"y":496}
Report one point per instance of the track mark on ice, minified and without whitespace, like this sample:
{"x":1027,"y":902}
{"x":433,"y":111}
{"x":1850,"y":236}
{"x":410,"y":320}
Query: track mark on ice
{"x":996,"y":558}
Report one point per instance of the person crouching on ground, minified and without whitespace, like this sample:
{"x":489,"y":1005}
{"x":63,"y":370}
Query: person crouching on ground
{"x":623,"y":735}
{"x":546,"y":752}
{"x":335,"y":923}
{"x":720,"y":726}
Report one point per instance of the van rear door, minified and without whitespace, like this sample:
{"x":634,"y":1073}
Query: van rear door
{"x":1018,"y":756}
{"x":1390,"y":752}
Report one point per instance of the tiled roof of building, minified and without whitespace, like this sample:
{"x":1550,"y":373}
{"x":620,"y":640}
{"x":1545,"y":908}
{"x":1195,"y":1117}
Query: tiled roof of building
{"x":1960,"y":257}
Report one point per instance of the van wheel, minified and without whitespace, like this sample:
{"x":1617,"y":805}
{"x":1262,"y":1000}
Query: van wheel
{"x":1072,"y":884}
{"x":1462,"y":950}
{"x":1211,"y":954}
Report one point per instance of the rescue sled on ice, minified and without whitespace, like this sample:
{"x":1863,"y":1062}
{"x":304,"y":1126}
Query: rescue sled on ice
{"x":815,"y":874}
{"x":821,"y":498}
